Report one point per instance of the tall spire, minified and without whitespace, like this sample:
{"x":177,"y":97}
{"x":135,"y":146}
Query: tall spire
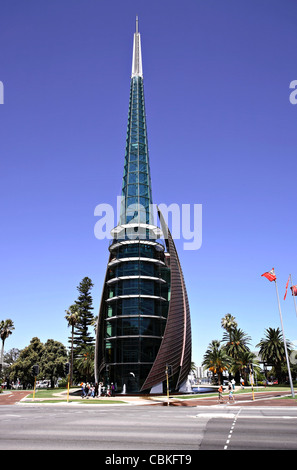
{"x":136,"y":188}
{"x":137,"y":59}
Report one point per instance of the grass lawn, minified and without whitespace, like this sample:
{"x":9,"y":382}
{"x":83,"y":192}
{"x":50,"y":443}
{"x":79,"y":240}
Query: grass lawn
{"x":60,"y":395}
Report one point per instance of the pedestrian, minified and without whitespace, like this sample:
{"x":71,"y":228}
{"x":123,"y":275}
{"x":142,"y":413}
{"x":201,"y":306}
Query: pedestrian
{"x":112,"y":390}
{"x":82,"y":390}
{"x":233,"y":383}
{"x":89,"y":394}
{"x":221,"y":399}
{"x":231,"y":397}
{"x":86,"y":389}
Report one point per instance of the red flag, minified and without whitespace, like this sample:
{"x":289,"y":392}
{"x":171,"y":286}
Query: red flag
{"x":294,"y":290}
{"x":270,"y":275}
{"x":286,"y":288}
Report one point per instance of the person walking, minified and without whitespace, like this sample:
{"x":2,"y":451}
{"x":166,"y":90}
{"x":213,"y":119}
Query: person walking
{"x":231,"y":396}
{"x":221,"y":399}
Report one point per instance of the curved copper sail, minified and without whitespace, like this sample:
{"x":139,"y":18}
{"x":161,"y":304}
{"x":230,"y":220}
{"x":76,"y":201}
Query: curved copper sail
{"x":176,"y":346}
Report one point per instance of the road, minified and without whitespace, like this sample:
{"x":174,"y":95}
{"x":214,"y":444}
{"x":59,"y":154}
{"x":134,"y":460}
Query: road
{"x":151,"y":428}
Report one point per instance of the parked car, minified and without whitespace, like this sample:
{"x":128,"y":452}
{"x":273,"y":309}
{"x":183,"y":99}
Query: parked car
{"x":273,"y":382}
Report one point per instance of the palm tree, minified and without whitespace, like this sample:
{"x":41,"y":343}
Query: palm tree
{"x":242,"y":362}
{"x":272,"y":349}
{"x":6,"y":328}
{"x":94,"y":323}
{"x":72,"y":317}
{"x":85,"y":364}
{"x":236,"y":342}
{"x":228,"y":323}
{"x":193,"y":367}
{"x":216,"y":360}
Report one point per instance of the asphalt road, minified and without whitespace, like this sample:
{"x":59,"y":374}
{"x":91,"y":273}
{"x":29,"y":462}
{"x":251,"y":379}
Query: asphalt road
{"x":149,"y":428}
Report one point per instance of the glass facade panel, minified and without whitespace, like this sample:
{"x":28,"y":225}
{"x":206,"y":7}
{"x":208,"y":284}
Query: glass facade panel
{"x":147,"y":306}
{"x":137,"y":286}
{"x":127,"y":350}
{"x":132,"y":189}
{"x":148,"y":349}
{"x":137,"y":249}
{"x":128,"y":326}
{"x":132,"y":167}
{"x":143,"y":178}
{"x":133,"y":178}
{"x":110,"y":351}
{"x":137,"y":306}
{"x":136,"y":155}
{"x":143,"y":190}
{"x":130,"y":306}
{"x":110,"y":329}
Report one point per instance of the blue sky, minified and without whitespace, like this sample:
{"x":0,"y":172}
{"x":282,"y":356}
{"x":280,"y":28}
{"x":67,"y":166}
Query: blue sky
{"x":222,"y":133}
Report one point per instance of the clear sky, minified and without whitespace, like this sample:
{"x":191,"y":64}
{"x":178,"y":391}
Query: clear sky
{"x":222,"y":133}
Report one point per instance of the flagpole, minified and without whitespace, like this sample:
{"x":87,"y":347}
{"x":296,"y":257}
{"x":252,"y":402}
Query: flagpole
{"x":293,"y":296}
{"x":285,"y":343}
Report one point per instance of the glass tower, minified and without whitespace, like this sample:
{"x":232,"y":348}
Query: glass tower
{"x":136,"y":298}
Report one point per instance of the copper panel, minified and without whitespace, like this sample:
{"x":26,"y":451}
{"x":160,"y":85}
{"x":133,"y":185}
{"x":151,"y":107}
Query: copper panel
{"x":176,"y":346}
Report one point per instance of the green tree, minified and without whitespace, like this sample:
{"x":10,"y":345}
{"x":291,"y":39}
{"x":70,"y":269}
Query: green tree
{"x":216,"y":360}
{"x":82,"y":336}
{"x":6,"y":328}
{"x":72,"y":317}
{"x":272,"y":350}
{"x":22,"y":368}
{"x":52,"y":361}
{"x":9,"y":358}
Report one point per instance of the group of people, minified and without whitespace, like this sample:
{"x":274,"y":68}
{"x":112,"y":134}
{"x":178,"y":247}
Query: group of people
{"x":89,"y":390}
{"x":231,"y":387}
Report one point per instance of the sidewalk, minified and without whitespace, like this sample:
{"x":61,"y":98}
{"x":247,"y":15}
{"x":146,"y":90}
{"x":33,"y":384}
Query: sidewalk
{"x":260,"y":399}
